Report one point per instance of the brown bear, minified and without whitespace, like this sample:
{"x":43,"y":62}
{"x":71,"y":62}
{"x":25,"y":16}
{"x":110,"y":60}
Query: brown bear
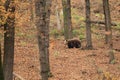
{"x":73,"y":43}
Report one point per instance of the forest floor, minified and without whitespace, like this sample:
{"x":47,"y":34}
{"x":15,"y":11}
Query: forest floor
{"x":66,"y":64}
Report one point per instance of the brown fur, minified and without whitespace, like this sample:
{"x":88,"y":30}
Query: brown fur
{"x":74,"y":43}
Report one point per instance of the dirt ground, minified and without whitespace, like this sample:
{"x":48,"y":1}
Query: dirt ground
{"x":66,"y":64}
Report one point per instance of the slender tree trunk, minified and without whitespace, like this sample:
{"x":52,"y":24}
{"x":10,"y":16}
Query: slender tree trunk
{"x":88,"y":26}
{"x":32,"y":10}
{"x":48,"y":9}
{"x":1,"y":65}
{"x":42,"y":10}
{"x":58,"y":17}
{"x":67,"y":19}
{"x":9,"y":41}
{"x":107,"y":21}
{"x":108,"y":28}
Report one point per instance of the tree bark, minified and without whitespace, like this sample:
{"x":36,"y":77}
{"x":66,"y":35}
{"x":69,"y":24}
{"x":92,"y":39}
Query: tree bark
{"x":9,"y":41}
{"x":67,"y":19}
{"x":32,"y":10}
{"x":1,"y":65}
{"x":58,"y":16}
{"x":108,"y":29}
{"x":106,"y":9}
{"x":48,"y":9}
{"x":42,"y":10}
{"x":88,"y":26}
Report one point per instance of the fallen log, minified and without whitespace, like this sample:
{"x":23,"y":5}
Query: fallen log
{"x":102,"y":22}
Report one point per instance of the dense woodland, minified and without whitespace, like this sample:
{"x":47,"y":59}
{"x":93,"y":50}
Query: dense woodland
{"x":59,"y":40}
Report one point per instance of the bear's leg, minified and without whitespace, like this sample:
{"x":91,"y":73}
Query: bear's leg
{"x":77,"y":44}
{"x":70,"y":45}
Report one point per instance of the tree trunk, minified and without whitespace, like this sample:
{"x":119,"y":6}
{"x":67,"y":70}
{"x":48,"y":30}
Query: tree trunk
{"x":108,"y":29}
{"x":1,"y":65}
{"x":107,"y":21}
{"x":32,"y":10}
{"x":88,"y":25}
{"x":67,"y":19}
{"x":42,"y":10}
{"x":48,"y":7}
{"x":58,"y":17}
{"x":9,"y":41}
